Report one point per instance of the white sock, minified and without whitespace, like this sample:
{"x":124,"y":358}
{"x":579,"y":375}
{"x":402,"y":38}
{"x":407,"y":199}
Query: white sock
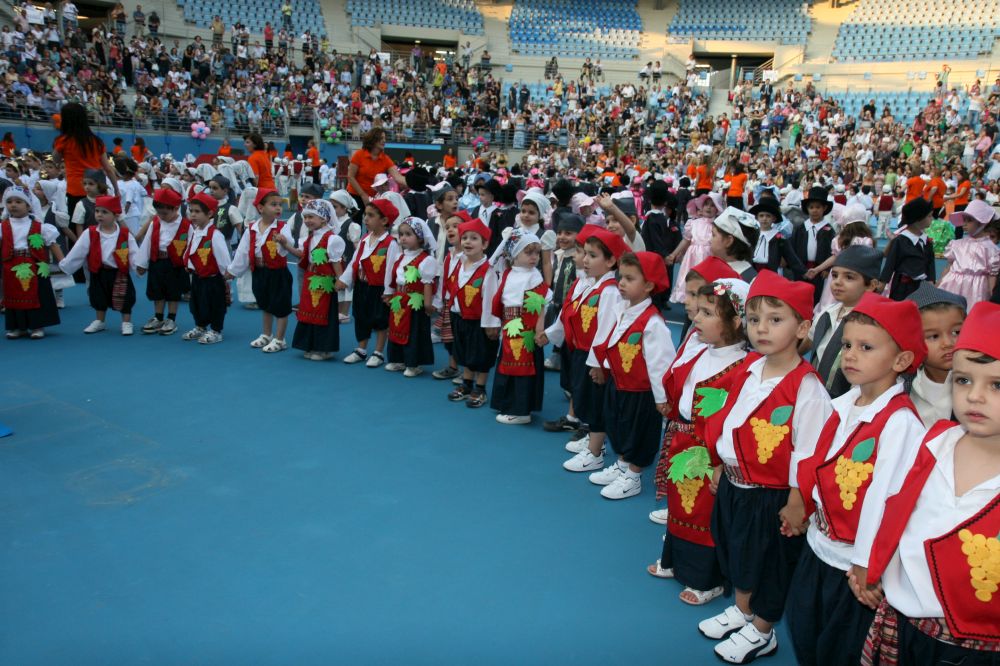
{"x":572,"y":419}
{"x":760,"y":633}
{"x":749,"y":618}
{"x":630,"y":474}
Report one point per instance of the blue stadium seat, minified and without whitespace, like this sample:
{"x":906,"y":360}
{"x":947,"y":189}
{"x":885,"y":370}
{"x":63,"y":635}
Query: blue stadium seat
{"x":576,"y":28}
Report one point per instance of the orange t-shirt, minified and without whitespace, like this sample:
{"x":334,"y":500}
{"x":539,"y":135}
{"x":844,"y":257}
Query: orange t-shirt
{"x":261,"y":169}
{"x":313,"y":155}
{"x":736,"y":185}
{"x":704,"y":178}
{"x":8,"y":148}
{"x":963,"y":193}
{"x":225,"y":150}
{"x":77,"y":160}
{"x":368,"y":168}
{"x":914,"y":188}
{"x":450,"y":161}
{"x":938,"y":199}
{"x":118,"y":150}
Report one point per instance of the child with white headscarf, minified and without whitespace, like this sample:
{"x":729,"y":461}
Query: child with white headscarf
{"x":410,"y":296}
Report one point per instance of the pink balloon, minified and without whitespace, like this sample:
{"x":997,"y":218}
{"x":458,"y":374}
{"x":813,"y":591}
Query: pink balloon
{"x":194,"y":126}
{"x":195,"y":135}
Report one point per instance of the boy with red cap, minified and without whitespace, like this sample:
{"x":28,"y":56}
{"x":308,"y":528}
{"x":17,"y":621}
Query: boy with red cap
{"x":775,"y":410}
{"x":207,"y":259}
{"x":107,"y":249}
{"x":161,"y":252}
{"x":632,"y":358}
{"x":369,"y":274}
{"x":470,"y":284}
{"x":873,"y":431}
{"x":265,"y":257}
{"x":590,"y":313}
{"x":935,"y":548}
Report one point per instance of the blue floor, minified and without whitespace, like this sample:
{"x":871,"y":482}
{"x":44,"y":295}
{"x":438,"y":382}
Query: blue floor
{"x":164,"y":502}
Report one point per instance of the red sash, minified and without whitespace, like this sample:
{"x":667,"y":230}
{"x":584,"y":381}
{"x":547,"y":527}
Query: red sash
{"x":176,"y":248}
{"x":763,"y":442}
{"x":203,"y":258}
{"x":95,"y":258}
{"x":20,"y":283}
{"x":963,"y":562}
{"x":316,"y":290}
{"x":402,"y":304}
{"x":628,"y":365}
{"x":843,"y":480}
{"x":269,"y":251}
{"x":470,"y":297}
{"x":583,"y":316}
{"x":374,"y":263}
{"x":517,"y":358}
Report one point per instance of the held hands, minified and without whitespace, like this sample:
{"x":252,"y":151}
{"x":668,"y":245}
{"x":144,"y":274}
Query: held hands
{"x":597,"y":375}
{"x":811,"y":273}
{"x":669,"y":260}
{"x":492,"y":333}
{"x":140,"y":271}
{"x":282,"y":241}
{"x":869,"y":595}
{"x":713,"y":485}
{"x":793,"y":515}
{"x":663,"y":408}
{"x":429,"y":309}
{"x":541,"y":339}
{"x":340,"y":286}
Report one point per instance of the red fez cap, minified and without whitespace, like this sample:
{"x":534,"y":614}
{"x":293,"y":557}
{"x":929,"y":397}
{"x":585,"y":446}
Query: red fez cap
{"x":713,"y":269}
{"x":262,"y":193}
{"x":901,"y":320}
{"x":616,"y":244}
{"x":385,"y":207}
{"x":654,"y":270}
{"x":979,"y":332}
{"x":206,"y":200}
{"x":167,"y":197}
{"x":108,"y":202}
{"x":475,"y":226}
{"x":462,"y":215}
{"x":797,"y":295}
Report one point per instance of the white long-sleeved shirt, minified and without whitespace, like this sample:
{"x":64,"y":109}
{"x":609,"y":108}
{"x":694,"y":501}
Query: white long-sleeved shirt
{"x":519,"y":280}
{"x":79,"y":253}
{"x":220,"y":249}
{"x":932,"y":400}
{"x":812,"y":409}
{"x":428,"y":270}
{"x":450,"y":263}
{"x":713,"y":361}
{"x":335,"y":246}
{"x":907,"y":578}
{"x":465,"y":272}
{"x":241,"y":258}
{"x":556,"y":333}
{"x":167,"y":232}
{"x":20,"y":226}
{"x":364,"y":250}
{"x":608,"y":306}
{"x":657,"y":346}
{"x":897,"y":445}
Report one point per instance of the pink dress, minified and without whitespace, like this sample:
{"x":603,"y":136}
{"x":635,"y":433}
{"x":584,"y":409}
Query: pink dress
{"x":699,"y":231}
{"x":826,"y":298}
{"x":972,"y":261}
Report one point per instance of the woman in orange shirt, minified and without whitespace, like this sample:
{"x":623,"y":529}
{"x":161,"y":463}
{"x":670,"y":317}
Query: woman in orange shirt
{"x":449,"y":160}
{"x":737,"y":180}
{"x":961,"y":195}
{"x":703,"y":184}
{"x":80,"y":149}
{"x":259,"y":161}
{"x":366,"y":163}
{"x":139,"y":150}
{"x":225,"y":150}
{"x":915,"y":184}
{"x":7,"y":146}
{"x":313,"y":156}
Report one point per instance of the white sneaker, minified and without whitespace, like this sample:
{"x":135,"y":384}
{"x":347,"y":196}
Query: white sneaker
{"x":723,"y":624}
{"x":413,"y":372}
{"x":394,"y":367}
{"x":127,"y":328}
{"x":578,"y":445}
{"x":585,"y":461}
{"x":509,"y":419}
{"x":625,"y":486}
{"x":261,"y":341}
{"x":60,"y":303}
{"x":457,"y":381}
{"x":210,"y":338}
{"x":195,"y":333}
{"x":746,"y":645}
{"x":606,"y":475}
{"x":659,"y":516}
{"x":376,"y":359}
{"x":95,"y":326}
{"x":435,"y":337}
{"x":355,"y":357}
{"x":152,"y":326}
{"x":274,"y":346}
{"x":169,"y":327}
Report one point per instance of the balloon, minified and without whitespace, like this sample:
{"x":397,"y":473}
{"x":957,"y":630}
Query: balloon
{"x":201,"y":123}
{"x":195,"y":135}
{"x":331,"y":140}
{"x":208,"y":130}
{"x":194,"y":127}
{"x":339,"y":134}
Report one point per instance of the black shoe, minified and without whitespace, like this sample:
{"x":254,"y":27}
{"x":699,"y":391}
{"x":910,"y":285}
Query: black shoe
{"x":560,"y":425}
{"x":459,"y":394}
{"x":447,"y":372}
{"x":579,"y":433}
{"x":475,"y":400}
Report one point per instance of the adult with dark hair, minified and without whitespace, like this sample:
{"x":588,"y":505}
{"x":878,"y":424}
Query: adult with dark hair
{"x":79,"y":149}
{"x":367,"y":162}
{"x":259,"y":161}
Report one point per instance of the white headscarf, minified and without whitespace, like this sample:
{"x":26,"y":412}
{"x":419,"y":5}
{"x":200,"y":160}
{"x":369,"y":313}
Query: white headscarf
{"x":736,"y":291}
{"x":344,"y":199}
{"x":23,"y":193}
{"x":423,"y":232}
{"x":511,"y":247}
{"x":732,"y":220}
{"x":537,"y":197}
{"x":205,"y":172}
{"x":320,"y":208}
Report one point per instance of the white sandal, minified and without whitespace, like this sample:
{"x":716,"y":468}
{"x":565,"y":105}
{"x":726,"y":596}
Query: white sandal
{"x":275,"y":345}
{"x":261,"y":341}
{"x":658,"y":571}
{"x":703,"y":597}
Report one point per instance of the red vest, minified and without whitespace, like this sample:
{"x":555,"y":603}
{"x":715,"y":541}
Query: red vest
{"x":628,"y":365}
{"x":318,"y":283}
{"x":963,"y":561}
{"x":269,"y":251}
{"x":95,"y":260}
{"x":470,"y":297}
{"x":20,"y":286}
{"x":843,"y":480}
{"x":565,"y":312}
{"x":202,"y":257}
{"x":675,"y":377}
{"x":401,"y":305}
{"x":517,"y":356}
{"x":448,"y":288}
{"x":582,"y":317}
{"x":766,"y":462}
{"x":177,"y":246}
{"x":373,"y":264}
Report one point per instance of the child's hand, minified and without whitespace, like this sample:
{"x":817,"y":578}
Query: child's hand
{"x":386,"y":298}
{"x":713,"y":485}
{"x":282,"y":241}
{"x":429,"y":309}
{"x":228,"y":276}
{"x":492,"y":333}
{"x":663,"y":408}
{"x":793,"y":515}
{"x":669,"y":260}
{"x":597,"y":375}
{"x":811,"y":273}
{"x":140,"y":271}
{"x":869,"y":595}
{"x":541,"y":339}
{"x":604,"y":201}
{"x":340,"y":286}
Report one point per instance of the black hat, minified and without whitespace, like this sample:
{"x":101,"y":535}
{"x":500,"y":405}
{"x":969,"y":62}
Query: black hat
{"x":491,"y":186}
{"x":563,"y":191}
{"x":819,"y":194}
{"x":508,"y":193}
{"x":311,"y":189}
{"x":418,"y":178}
{"x":927,"y":295}
{"x":570,"y":222}
{"x":860,"y":259}
{"x":768,"y":205}
{"x":915,"y":211}
{"x":660,"y":195}
{"x":455,"y":180}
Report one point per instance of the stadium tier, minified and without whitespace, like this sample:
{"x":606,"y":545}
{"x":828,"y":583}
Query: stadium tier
{"x":306,"y":14}
{"x":786,"y":21}
{"x":446,"y":14}
{"x":883,"y":30}
{"x":576,"y":28}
